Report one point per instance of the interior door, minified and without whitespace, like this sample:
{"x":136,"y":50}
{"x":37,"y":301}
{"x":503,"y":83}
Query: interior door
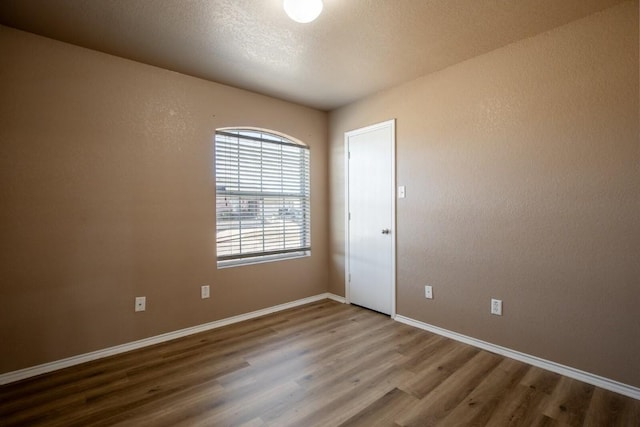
{"x":370,"y":246}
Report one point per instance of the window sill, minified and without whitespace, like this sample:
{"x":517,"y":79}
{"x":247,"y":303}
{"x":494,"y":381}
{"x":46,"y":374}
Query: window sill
{"x":261,"y":259}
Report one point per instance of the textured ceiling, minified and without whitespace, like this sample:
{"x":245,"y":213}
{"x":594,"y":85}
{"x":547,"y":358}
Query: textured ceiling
{"x":355,"y":47}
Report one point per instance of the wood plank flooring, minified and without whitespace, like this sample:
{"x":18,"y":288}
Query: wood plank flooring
{"x":322,"y":364}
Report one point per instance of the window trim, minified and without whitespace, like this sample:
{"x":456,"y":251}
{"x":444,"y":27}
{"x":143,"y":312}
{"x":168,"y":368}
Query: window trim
{"x":303,"y":196}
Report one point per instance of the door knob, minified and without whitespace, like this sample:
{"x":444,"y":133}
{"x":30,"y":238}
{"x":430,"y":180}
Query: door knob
{"x":386,"y":231}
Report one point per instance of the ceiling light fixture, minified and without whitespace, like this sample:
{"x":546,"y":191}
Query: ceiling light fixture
{"x":303,"y":11}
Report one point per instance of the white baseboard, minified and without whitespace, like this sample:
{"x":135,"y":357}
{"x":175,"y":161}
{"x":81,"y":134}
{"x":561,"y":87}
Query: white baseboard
{"x":21,"y":374}
{"x":337,"y":298}
{"x":567,"y":371}
{"x":586,"y":377}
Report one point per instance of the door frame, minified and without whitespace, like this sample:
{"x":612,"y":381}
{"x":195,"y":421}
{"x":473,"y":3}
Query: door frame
{"x":347,"y":282}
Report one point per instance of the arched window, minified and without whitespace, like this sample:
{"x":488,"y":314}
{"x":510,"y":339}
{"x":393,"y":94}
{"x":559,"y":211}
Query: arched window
{"x":262,"y":197}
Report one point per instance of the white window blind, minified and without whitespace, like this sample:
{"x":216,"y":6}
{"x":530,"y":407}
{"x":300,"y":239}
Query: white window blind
{"x":262,"y":196}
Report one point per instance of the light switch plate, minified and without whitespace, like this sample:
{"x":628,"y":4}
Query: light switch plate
{"x":402,"y":192}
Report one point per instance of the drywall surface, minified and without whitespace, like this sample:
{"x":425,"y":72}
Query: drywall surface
{"x":522,"y":172}
{"x":108,"y":192}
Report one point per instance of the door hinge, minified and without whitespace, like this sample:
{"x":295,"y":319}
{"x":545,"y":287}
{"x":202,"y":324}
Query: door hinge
{"x":349,"y":155}
{"x":349,"y":277}
{"x":349,"y":216}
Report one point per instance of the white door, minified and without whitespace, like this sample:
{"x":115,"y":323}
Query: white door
{"x":370,"y":205}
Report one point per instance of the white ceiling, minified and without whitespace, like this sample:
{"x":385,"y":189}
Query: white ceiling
{"x":355,"y":47}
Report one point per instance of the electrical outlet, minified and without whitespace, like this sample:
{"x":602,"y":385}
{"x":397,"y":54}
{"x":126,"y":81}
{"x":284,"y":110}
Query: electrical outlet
{"x":204,"y":291}
{"x":428,"y":292}
{"x":141,"y":303}
{"x":496,"y":307}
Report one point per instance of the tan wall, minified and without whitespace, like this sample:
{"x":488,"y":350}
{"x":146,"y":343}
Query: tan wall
{"x":522,"y":169}
{"x":107,"y":193}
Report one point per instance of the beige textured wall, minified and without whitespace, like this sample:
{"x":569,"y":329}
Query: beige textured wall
{"x":107,"y":193}
{"x":522,"y":169}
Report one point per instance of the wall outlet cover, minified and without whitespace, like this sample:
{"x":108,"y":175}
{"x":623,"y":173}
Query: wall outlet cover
{"x":428,"y":292}
{"x":496,"y":307}
{"x":204,"y":291}
{"x":141,"y":303}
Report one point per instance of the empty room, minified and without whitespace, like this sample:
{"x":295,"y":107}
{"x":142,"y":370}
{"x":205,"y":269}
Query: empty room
{"x":319,"y":213}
